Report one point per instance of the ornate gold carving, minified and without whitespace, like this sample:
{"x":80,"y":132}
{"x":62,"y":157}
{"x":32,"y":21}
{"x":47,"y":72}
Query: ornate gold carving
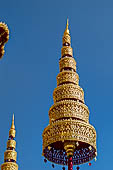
{"x":66,"y":36}
{"x":69,"y":131}
{"x":12,"y":132}
{"x":10,"y":154}
{"x":11,"y":144}
{"x":66,"y":39}
{"x":69,"y":109}
{"x":4,"y":37}
{"x":67,"y":76}
{"x":69,"y":147}
{"x":68,"y":91}
{"x":67,"y":50}
{"x":9,"y":166}
{"x":72,"y":130}
{"x":67,"y":62}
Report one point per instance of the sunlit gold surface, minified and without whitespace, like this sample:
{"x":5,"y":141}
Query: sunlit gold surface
{"x":12,"y":131}
{"x":68,"y":91}
{"x":67,"y":62}
{"x":9,"y":154}
{"x":66,"y":37}
{"x":69,"y":129}
{"x":11,"y":144}
{"x":67,"y":77}
{"x":9,"y":166}
{"x":67,"y":51}
{"x":74,"y":130}
{"x":70,"y":108}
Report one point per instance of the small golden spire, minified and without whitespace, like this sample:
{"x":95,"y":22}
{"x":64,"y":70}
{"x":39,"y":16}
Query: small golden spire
{"x":12,"y":129}
{"x":66,"y":42}
{"x":13,"y":126}
{"x":10,"y":155}
{"x":67,"y":29}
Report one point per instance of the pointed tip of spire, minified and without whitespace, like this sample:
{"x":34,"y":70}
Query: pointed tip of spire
{"x":13,"y":117}
{"x":13,"y":126}
{"x":67,"y":23}
{"x":67,"y":27}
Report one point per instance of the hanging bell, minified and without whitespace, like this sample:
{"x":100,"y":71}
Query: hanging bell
{"x":53,"y":165}
{"x":89,"y":163}
{"x":95,"y":159}
{"x":45,"y":160}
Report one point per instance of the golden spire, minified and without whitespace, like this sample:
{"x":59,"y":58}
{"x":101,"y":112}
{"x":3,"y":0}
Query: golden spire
{"x":69,"y":132}
{"x":10,"y":155}
{"x":4,"y":37}
{"x":66,"y":42}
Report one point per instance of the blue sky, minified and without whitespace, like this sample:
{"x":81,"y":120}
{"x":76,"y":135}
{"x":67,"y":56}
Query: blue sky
{"x":30,"y":65}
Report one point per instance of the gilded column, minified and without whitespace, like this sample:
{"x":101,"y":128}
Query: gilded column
{"x":10,"y":154}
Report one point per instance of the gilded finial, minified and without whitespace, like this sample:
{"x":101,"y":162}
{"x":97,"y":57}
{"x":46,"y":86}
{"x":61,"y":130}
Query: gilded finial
{"x":67,"y":23}
{"x":12,"y":129}
{"x":66,"y":42}
{"x":67,"y":29}
{"x":13,"y":126}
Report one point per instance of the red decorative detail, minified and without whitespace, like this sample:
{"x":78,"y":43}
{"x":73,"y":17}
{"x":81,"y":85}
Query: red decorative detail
{"x":89,"y":163}
{"x":45,"y":160}
{"x":70,"y":163}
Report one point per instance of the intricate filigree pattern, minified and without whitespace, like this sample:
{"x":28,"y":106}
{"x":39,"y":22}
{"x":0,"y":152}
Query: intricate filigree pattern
{"x":9,"y":166}
{"x":67,"y":62}
{"x":67,"y":50}
{"x":69,"y":129}
{"x":69,"y":108}
{"x":10,"y":154}
{"x":68,"y":91}
{"x":11,"y":144}
{"x":67,"y":76}
{"x":66,"y":39}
